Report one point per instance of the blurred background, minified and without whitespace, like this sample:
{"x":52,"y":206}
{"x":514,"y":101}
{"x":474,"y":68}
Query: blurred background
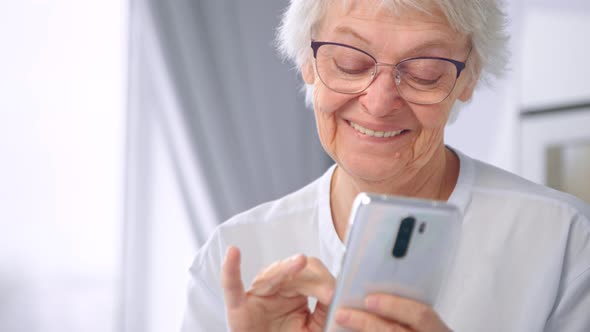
{"x":129,"y":129}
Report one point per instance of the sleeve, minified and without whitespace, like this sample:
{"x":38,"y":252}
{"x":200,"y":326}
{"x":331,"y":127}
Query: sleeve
{"x":572,"y":309}
{"x":205,"y":310}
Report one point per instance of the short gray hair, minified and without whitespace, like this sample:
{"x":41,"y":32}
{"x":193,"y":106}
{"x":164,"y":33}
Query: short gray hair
{"x":483,"y":20}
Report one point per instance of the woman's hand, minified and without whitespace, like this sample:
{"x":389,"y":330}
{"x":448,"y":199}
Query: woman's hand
{"x":277,"y":300}
{"x":386,"y":312}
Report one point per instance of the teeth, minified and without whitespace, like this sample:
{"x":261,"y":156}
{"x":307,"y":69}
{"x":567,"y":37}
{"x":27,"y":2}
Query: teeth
{"x":373,"y":133}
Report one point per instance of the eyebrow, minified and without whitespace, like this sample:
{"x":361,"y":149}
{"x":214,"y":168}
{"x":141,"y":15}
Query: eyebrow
{"x":347,"y":30}
{"x":416,"y":50}
{"x":433,"y":44}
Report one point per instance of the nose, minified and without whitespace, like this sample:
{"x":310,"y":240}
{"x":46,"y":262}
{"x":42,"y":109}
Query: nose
{"x":382,"y":97}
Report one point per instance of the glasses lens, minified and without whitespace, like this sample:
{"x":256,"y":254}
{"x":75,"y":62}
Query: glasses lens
{"x":426,"y":81}
{"x":344,"y":69}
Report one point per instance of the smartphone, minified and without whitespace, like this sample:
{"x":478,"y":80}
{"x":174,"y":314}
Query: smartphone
{"x":398,"y":246}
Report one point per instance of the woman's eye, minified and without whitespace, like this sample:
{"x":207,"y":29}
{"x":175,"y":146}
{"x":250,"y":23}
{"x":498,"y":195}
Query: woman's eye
{"x":423,"y":79}
{"x":353,"y":68}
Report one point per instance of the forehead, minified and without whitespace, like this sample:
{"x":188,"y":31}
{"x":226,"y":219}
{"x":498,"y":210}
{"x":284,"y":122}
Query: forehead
{"x":380,"y":28}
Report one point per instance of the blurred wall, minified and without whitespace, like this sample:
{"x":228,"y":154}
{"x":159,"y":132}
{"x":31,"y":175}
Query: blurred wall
{"x":61,"y":137}
{"x":555,"y":57}
{"x":555,"y":95}
{"x":549,"y":68}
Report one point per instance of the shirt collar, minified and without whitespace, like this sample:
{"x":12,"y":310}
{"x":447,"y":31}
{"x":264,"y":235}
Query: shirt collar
{"x":461,"y":195}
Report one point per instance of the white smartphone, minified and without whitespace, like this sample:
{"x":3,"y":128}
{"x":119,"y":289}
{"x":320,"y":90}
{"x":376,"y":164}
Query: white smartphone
{"x":397,"y":246}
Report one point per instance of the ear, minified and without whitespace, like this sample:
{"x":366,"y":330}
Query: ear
{"x":307,"y":72}
{"x":468,"y":89}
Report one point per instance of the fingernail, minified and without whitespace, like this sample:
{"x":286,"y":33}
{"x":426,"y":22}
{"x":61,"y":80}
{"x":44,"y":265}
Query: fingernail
{"x":291,"y":262}
{"x":227,"y":252}
{"x":342,"y":317}
{"x":372,"y":303}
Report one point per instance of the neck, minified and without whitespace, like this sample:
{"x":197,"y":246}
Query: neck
{"x":435,"y":180}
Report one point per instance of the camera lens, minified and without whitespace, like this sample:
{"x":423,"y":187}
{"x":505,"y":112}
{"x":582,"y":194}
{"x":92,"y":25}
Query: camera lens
{"x":422,"y":228}
{"x":404,"y":234}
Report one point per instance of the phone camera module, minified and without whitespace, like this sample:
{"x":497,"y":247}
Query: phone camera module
{"x":404,"y":234}
{"x":422,"y":227}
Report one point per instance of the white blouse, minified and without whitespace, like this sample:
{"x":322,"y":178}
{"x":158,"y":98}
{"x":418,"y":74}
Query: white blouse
{"x":523,"y":263}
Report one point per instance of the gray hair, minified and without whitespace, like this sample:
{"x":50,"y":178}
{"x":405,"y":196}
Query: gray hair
{"x":483,"y":20}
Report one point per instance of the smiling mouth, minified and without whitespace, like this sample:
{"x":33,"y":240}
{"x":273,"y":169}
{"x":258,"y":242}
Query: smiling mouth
{"x":373,"y":133}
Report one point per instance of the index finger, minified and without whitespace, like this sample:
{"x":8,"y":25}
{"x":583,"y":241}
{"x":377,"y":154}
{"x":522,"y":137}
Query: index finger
{"x":299,"y":276}
{"x":231,"y":279}
{"x":316,"y":280}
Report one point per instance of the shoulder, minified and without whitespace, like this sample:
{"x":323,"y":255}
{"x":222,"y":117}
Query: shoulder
{"x":296,"y":203}
{"x":543,"y":224}
{"x":493,"y":182}
{"x":250,"y":230}
{"x":558,"y":219}
{"x":264,"y":234}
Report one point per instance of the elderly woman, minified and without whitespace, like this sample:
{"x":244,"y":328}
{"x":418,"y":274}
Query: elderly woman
{"x":383,"y":77}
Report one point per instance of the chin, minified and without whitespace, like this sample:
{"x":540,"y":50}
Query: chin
{"x":372,"y":170}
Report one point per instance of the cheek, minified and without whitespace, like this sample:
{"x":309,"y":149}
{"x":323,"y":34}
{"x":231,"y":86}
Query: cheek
{"x":432,"y":117}
{"x":326,"y":126}
{"x":327,"y":105}
{"x":328,"y":101}
{"x":325,"y":121}
{"x":433,"y":121}
{"x":436,"y":116}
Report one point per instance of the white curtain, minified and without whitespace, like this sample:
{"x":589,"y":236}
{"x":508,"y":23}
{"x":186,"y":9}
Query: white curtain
{"x":216,"y":125}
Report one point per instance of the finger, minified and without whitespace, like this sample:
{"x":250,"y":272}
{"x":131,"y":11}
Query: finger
{"x":318,"y":318}
{"x":231,"y":279}
{"x":315,"y":281}
{"x":269,"y":281}
{"x":362,"y":321}
{"x":416,"y":315}
{"x":280,"y":270}
{"x":321,"y":286}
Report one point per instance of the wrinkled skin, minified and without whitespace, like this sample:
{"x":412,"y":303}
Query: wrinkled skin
{"x":415,"y":164}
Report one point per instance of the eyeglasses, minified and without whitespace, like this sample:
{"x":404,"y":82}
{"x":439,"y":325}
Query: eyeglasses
{"x":420,"y":80}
